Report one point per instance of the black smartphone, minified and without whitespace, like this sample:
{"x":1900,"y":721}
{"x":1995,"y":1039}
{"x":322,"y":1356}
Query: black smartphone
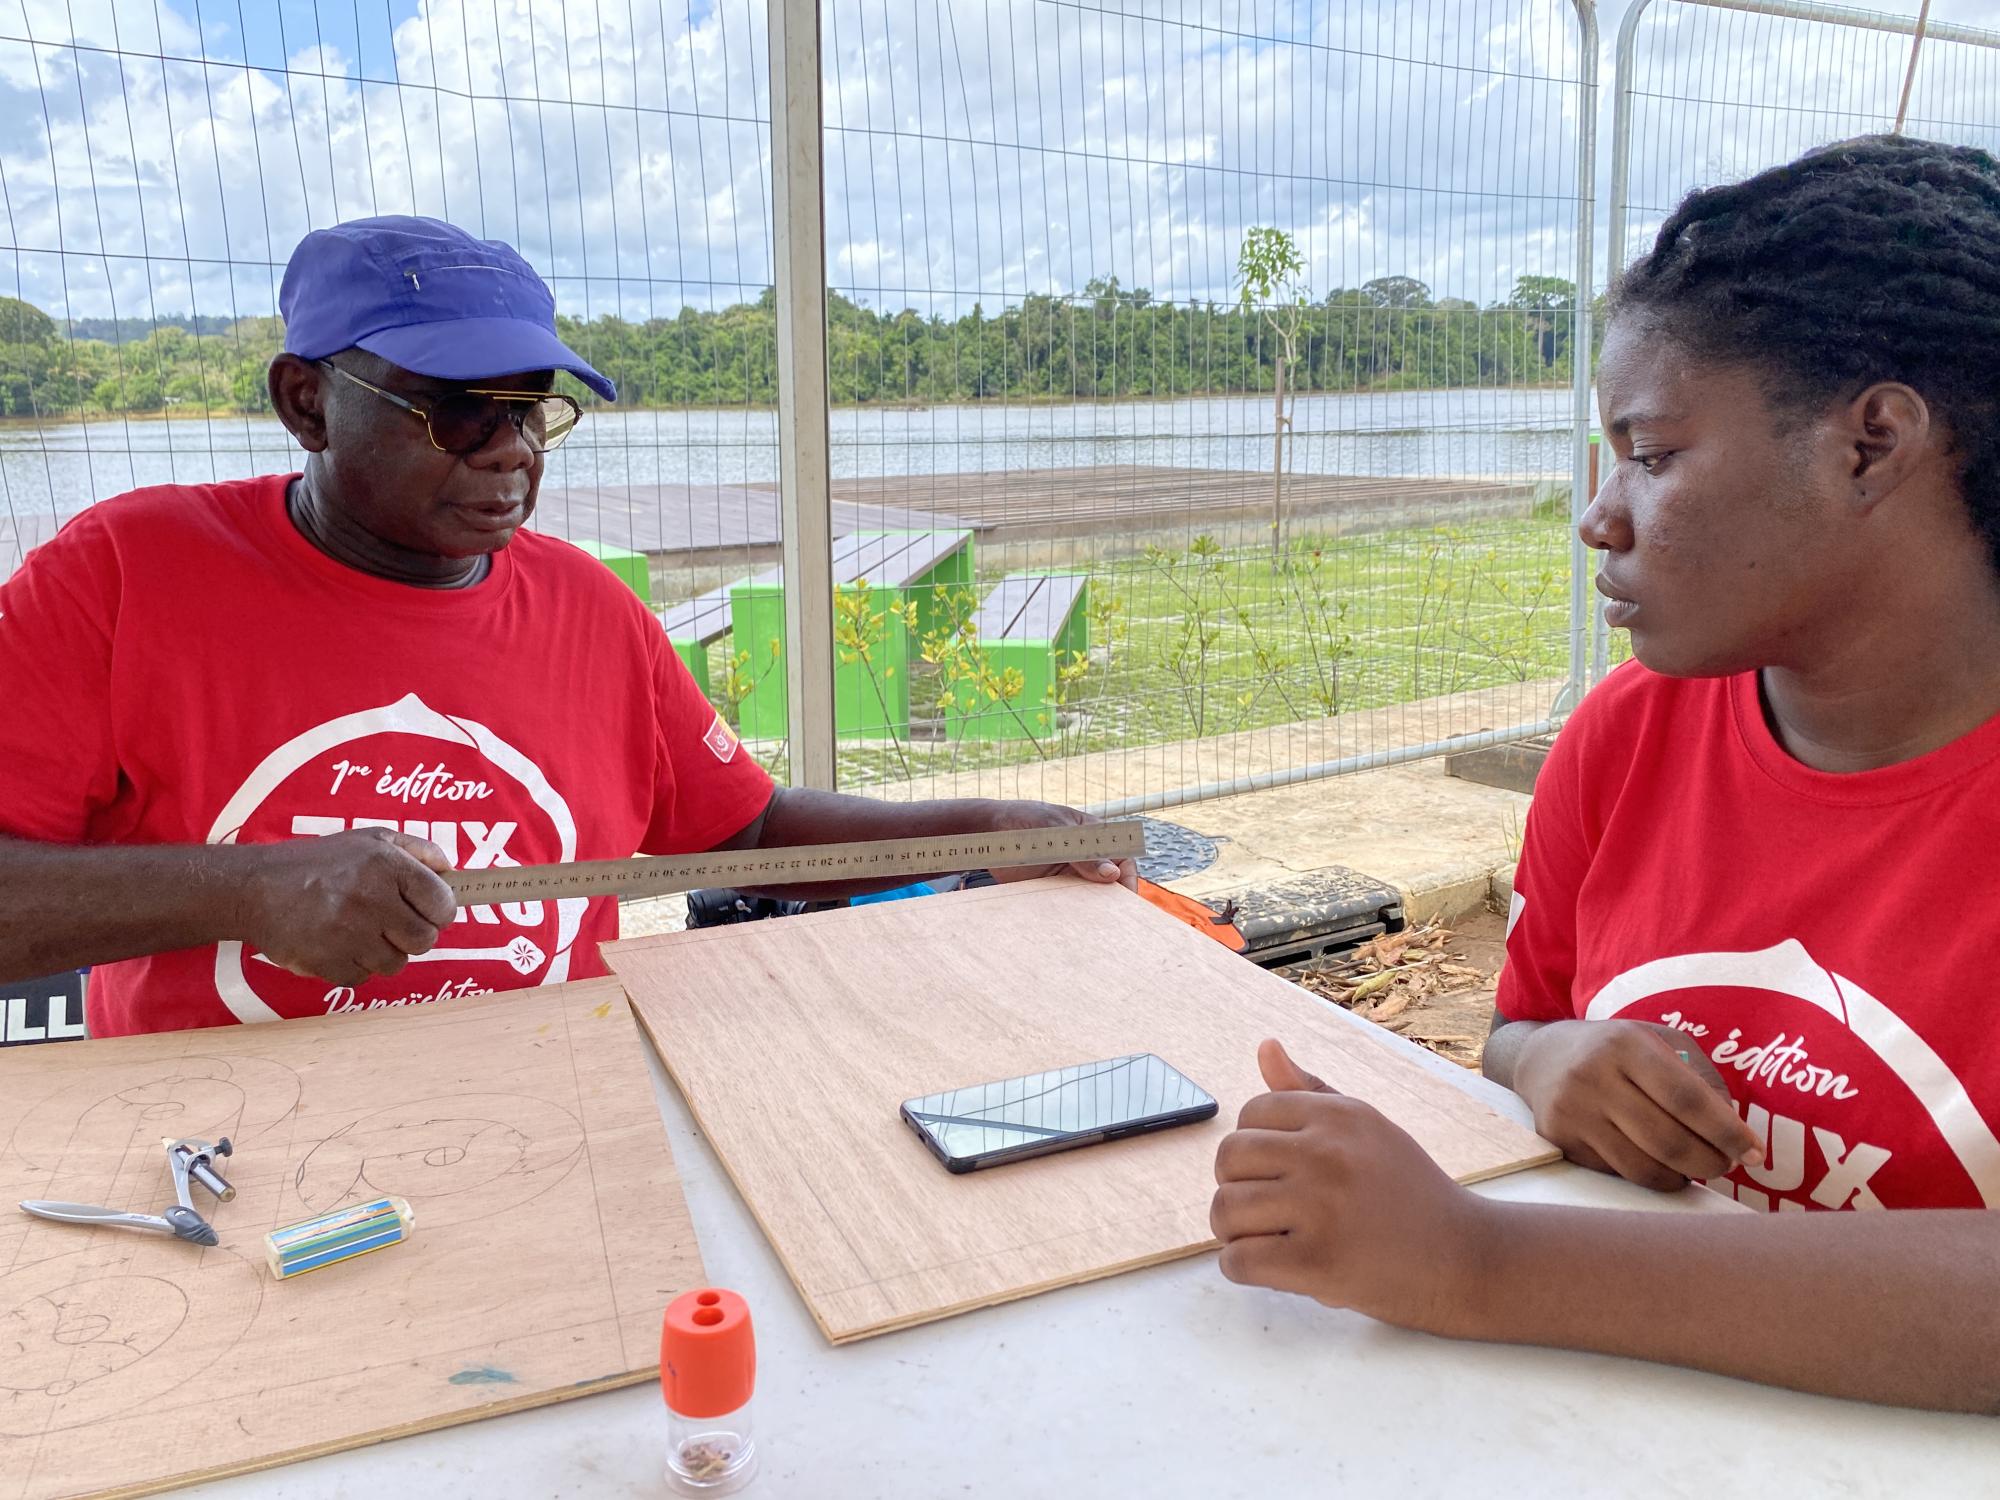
{"x":992,"y":1123}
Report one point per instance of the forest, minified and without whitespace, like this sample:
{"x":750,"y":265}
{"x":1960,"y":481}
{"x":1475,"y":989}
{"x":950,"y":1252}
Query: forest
{"x":1106,"y":342}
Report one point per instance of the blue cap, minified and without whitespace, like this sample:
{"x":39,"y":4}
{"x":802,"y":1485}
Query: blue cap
{"x":425,"y":295}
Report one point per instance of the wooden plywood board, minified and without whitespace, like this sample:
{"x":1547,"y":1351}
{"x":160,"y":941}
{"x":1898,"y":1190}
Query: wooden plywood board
{"x":551,"y":1233}
{"x":795,"y":1042}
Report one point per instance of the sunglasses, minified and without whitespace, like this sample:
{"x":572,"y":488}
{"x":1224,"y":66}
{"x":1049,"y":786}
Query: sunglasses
{"x":465,"y":421}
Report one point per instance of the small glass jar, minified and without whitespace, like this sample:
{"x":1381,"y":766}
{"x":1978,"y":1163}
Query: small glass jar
{"x":710,"y":1455}
{"x":708,"y":1368}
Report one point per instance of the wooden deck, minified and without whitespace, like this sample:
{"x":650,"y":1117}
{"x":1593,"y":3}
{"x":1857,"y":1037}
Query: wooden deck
{"x":723,"y":528}
{"x":709,"y":524}
{"x":692,"y":518}
{"x":739,"y":523}
{"x":1120,"y":497}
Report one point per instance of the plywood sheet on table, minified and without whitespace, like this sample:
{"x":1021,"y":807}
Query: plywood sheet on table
{"x":796,"y":1040}
{"x":551,"y":1232}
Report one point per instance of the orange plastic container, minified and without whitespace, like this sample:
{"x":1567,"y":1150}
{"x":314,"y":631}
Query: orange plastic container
{"x":708,"y":1371}
{"x":1198,"y":915}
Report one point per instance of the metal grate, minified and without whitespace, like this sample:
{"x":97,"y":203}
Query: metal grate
{"x":1173,"y":852}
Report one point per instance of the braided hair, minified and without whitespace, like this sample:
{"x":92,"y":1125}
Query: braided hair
{"x":1874,"y":259}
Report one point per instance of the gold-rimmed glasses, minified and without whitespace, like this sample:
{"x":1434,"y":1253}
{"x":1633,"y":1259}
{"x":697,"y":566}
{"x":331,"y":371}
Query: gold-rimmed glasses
{"x":464,"y":421}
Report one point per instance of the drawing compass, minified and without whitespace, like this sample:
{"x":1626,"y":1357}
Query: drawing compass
{"x":190,"y":1161}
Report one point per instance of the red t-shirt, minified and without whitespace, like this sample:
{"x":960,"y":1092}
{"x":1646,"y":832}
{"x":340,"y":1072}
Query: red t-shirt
{"x":1827,"y":939}
{"x":179,"y":665}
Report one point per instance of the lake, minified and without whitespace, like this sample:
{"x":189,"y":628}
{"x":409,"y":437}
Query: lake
{"x":59,"y":468}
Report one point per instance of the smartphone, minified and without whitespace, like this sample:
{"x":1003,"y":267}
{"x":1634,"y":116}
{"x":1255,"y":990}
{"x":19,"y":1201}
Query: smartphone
{"x":992,"y":1123}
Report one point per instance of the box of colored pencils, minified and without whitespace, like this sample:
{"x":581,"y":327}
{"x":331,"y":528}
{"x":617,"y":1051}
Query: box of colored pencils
{"x":338,"y":1235}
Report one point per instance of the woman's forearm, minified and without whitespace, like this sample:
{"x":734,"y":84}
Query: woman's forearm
{"x":1897,"y":1307}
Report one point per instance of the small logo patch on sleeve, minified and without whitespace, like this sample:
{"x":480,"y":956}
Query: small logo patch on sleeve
{"x":722,"y":740}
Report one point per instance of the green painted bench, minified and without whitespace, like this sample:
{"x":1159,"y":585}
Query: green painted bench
{"x":1035,"y":623}
{"x":899,"y":567}
{"x":693,"y":626}
{"x":690,"y":626}
{"x":628,"y":565}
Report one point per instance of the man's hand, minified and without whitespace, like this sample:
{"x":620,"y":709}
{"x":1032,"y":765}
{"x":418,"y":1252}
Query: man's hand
{"x":1322,"y":1196}
{"x":1617,"y":1096}
{"x":803,"y":815}
{"x":1017,"y":815}
{"x":349,"y":906}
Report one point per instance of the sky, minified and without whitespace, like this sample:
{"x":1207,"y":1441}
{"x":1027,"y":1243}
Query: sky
{"x":163,"y":156}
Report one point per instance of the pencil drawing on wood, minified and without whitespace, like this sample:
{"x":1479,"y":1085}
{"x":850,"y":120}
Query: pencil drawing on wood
{"x":521,"y":1128}
{"x":463,"y":1157}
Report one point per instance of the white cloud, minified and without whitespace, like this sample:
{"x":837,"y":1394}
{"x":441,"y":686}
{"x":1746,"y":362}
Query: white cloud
{"x":976,"y":149}
{"x":1721,"y":94}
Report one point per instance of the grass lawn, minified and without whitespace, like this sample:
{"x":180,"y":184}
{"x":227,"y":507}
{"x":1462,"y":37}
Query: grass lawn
{"x":1208,"y":640}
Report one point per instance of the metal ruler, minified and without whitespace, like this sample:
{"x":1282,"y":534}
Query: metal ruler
{"x":663,"y":874}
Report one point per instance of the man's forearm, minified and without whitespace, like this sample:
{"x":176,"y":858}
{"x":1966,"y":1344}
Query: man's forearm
{"x":64,"y":906}
{"x":1897,"y":1307}
{"x":801,"y":815}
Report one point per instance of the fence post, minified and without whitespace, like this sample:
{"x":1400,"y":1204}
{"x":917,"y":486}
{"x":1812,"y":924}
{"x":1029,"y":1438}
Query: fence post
{"x":1614,"y":234}
{"x":1621,"y":137}
{"x":1910,"y":73}
{"x":805,"y":505}
{"x":1278,"y":463}
{"x":1582,"y":610}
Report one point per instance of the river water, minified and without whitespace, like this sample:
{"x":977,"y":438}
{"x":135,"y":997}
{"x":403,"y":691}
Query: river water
{"x":55,"y":469}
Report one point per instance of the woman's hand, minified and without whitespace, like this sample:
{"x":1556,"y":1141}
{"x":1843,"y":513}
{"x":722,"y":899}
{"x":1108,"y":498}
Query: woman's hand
{"x":1321,"y":1195}
{"x":1623,"y":1097}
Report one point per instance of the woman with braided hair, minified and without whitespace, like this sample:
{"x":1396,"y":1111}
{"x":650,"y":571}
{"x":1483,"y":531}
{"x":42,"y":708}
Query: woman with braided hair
{"x":1753,"y":932}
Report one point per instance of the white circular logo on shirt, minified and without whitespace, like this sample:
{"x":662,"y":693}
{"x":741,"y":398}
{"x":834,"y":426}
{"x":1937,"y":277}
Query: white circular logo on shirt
{"x":1789,"y":969}
{"x":452,"y":802}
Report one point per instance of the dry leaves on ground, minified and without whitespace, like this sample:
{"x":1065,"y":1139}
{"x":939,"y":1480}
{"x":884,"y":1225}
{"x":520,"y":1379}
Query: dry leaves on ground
{"x":1415,"y":984}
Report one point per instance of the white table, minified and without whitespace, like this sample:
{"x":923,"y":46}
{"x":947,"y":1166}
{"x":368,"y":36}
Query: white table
{"x":1172,"y":1382}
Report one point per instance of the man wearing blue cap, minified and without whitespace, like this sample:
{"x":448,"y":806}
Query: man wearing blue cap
{"x":249,"y":723}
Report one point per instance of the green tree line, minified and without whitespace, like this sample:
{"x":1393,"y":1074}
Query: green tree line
{"x":1111,"y":341}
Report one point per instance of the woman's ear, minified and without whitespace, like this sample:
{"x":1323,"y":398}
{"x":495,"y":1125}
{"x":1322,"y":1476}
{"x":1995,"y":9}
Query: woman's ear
{"x":1889,"y":434}
{"x":298,"y":395}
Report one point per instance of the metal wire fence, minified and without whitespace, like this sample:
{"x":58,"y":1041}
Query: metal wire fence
{"x":1113,"y":532}
{"x":1232,"y":342}
{"x":164,"y":160}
